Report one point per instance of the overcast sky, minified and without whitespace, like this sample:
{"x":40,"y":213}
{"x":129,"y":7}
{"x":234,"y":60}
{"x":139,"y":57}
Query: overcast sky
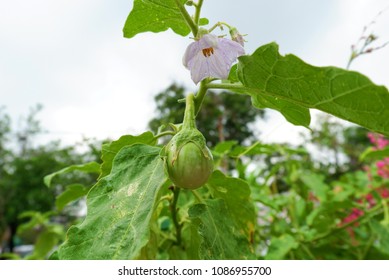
{"x":70,"y":56}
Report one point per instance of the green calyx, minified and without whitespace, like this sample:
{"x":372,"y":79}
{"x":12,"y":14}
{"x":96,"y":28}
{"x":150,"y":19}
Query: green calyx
{"x":189,"y":162}
{"x":201,"y":33}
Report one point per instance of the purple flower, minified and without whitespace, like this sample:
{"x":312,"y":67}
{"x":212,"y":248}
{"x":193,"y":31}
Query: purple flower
{"x":211,"y":56}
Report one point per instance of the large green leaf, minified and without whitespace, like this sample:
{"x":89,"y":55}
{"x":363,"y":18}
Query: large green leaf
{"x":221,"y":238}
{"x":294,"y":114}
{"x":120,"y":208}
{"x":155,"y":16}
{"x":109,"y":150}
{"x":236,"y":194}
{"x":291,"y":86}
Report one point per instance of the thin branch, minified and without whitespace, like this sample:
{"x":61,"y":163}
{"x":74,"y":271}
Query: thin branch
{"x":197,"y":13}
{"x":367,"y":41}
{"x":199,"y":98}
{"x":174,"y":211}
{"x":189,"y":21}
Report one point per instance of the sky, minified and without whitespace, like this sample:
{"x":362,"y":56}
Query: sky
{"x":70,"y":56}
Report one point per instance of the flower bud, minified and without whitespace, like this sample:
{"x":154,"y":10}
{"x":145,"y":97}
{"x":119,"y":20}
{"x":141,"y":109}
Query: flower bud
{"x":236,"y":36}
{"x":188,"y":160}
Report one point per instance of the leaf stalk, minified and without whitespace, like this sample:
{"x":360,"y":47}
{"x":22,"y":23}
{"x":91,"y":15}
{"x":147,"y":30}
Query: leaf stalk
{"x":188,"y":19}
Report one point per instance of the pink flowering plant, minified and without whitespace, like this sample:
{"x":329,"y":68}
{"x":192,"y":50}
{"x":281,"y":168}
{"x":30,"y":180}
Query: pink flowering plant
{"x":183,"y":200}
{"x":373,"y":197}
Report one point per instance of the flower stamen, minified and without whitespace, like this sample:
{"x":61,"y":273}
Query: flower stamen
{"x":208,"y":52}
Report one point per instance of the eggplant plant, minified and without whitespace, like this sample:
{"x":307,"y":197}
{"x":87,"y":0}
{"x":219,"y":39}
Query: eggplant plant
{"x":154,"y":201}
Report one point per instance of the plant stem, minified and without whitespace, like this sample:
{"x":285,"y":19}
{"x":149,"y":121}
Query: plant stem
{"x":190,"y":115}
{"x":197,"y":13}
{"x":164,"y":134}
{"x":219,"y":24}
{"x":174,"y":210}
{"x":189,"y":21}
{"x":236,"y":87}
{"x":386,"y":212}
{"x":198,"y":196}
{"x":368,"y":246}
{"x":199,"y":98}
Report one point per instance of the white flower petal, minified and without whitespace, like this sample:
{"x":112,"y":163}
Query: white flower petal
{"x":218,"y":66}
{"x":231,"y":49}
{"x":208,"y":41}
{"x":211,"y":57}
{"x":190,"y":52}
{"x":199,"y":67}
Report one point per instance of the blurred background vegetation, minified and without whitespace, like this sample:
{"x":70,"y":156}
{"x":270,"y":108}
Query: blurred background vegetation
{"x":27,"y":206}
{"x":314,"y":201}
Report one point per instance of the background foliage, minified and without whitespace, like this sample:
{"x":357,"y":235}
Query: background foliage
{"x":263,"y":201}
{"x":286,"y":202}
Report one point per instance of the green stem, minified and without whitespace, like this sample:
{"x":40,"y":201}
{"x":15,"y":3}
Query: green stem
{"x":248,"y":149}
{"x":174,"y":210}
{"x":189,"y":116}
{"x":197,"y":13}
{"x":219,"y":24}
{"x":368,"y":246}
{"x":164,"y":134}
{"x":234,"y":87}
{"x":199,"y":98}
{"x":198,"y":196}
{"x":292,"y":213}
{"x":386,"y":212}
{"x":189,"y":21}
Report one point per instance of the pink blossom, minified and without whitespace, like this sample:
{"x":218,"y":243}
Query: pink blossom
{"x":355,"y":214}
{"x":384,"y":193}
{"x":381,"y":164}
{"x":382,"y":143}
{"x":383,"y":168}
{"x":378,"y":140}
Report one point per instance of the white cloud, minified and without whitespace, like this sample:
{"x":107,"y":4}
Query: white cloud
{"x":91,"y":83}
{"x":70,"y":56}
{"x":334,"y":46}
